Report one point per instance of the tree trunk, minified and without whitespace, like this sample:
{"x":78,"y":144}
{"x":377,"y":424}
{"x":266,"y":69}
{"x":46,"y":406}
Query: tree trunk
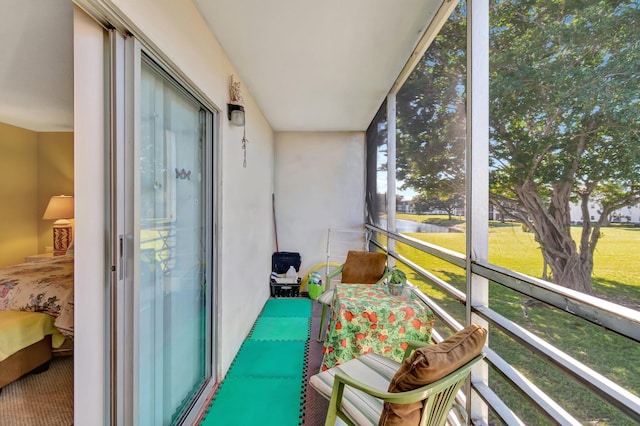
{"x":551,"y":225}
{"x":573,"y":272}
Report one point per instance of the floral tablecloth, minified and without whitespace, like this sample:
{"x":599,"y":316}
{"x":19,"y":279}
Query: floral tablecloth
{"x":366,"y":318}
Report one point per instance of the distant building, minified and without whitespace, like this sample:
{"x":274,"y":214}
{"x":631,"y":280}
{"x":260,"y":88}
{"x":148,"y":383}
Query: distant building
{"x":405,"y":206}
{"x":630,"y":214}
{"x":494,"y":214}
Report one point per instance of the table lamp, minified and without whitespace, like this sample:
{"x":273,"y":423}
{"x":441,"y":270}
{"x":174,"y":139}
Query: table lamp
{"x":60,"y":209}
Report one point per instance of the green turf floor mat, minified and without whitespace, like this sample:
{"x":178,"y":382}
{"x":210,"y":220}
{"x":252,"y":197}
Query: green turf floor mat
{"x":280,"y":328}
{"x":256,"y":401}
{"x":265,"y":382}
{"x":287,"y":307}
{"x":265,"y":358}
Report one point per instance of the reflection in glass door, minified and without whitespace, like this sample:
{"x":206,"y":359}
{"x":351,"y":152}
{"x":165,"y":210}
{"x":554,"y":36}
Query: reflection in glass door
{"x":173,"y":243}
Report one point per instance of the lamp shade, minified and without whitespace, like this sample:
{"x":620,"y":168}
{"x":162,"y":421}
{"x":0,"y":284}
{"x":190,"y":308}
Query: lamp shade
{"x":59,"y":207}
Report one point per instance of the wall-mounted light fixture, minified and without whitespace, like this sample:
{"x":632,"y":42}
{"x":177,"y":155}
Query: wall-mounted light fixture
{"x":236,"y":114}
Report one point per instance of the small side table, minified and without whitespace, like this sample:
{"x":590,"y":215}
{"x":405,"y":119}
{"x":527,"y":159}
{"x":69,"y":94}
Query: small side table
{"x":37,"y":257}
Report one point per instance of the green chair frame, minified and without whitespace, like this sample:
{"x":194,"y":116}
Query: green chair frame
{"x":438,"y":397}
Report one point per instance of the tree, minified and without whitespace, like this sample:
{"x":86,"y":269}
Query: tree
{"x":420,"y":204}
{"x":431,"y":123}
{"x":564,"y":122}
{"x":447,"y":204}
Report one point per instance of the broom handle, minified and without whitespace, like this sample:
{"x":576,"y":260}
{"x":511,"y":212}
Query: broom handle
{"x":275,"y":228}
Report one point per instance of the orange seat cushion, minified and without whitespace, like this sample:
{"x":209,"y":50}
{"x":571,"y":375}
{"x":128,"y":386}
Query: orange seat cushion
{"x":363,"y":267}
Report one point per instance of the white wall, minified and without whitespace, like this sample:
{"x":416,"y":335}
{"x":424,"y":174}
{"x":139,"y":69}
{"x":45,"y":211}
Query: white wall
{"x":319,"y":182}
{"x":245,"y":234}
{"x":90,"y":361}
{"x":245,"y":231}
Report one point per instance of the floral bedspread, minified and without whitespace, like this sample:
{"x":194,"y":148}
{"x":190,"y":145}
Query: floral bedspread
{"x":366,"y":318}
{"x":43,"y":286}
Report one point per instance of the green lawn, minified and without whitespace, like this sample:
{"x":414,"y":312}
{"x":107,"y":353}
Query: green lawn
{"x":616,"y":273}
{"x":616,"y":261}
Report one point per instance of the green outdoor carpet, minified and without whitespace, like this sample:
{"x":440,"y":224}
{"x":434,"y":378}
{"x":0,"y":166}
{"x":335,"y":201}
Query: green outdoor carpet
{"x":250,"y":401}
{"x":265,"y":382}
{"x":287,"y":307}
{"x":269,"y":358}
{"x":280,"y":328}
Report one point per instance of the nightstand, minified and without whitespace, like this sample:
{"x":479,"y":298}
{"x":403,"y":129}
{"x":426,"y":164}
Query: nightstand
{"x":37,"y":257}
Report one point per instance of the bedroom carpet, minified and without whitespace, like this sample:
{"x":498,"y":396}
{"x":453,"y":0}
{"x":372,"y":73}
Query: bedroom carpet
{"x":266,"y":380}
{"x":40,"y":399}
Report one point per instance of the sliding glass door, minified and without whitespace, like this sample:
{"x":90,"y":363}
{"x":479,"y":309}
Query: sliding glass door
{"x":174,"y":344}
{"x":162,"y":218}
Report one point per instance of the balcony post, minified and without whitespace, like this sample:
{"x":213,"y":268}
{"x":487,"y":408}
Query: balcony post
{"x":391,"y":174}
{"x":477,"y":184}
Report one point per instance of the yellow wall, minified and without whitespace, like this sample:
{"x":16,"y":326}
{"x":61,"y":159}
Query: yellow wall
{"x":18,"y":194}
{"x":33,"y":167}
{"x":55,"y":177}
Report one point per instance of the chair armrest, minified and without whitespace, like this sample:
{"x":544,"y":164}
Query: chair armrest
{"x":331,"y":275}
{"x":341,"y":379}
{"x":407,"y":397}
{"x":413,"y":345}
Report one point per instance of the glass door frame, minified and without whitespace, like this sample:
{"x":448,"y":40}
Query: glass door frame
{"x":123,"y":86}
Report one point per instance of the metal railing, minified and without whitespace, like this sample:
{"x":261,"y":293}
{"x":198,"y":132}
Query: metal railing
{"x":616,"y":318}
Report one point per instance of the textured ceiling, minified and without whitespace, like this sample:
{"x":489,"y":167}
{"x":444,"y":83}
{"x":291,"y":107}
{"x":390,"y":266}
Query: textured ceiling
{"x":36,"y":64}
{"x":311,"y":66}
{"x":318,"y":65}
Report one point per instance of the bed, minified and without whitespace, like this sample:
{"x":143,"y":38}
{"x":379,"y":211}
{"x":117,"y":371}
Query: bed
{"x":36,"y":314}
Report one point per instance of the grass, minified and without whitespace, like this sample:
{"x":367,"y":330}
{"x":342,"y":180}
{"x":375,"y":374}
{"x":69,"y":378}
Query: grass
{"x":616,"y":274}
